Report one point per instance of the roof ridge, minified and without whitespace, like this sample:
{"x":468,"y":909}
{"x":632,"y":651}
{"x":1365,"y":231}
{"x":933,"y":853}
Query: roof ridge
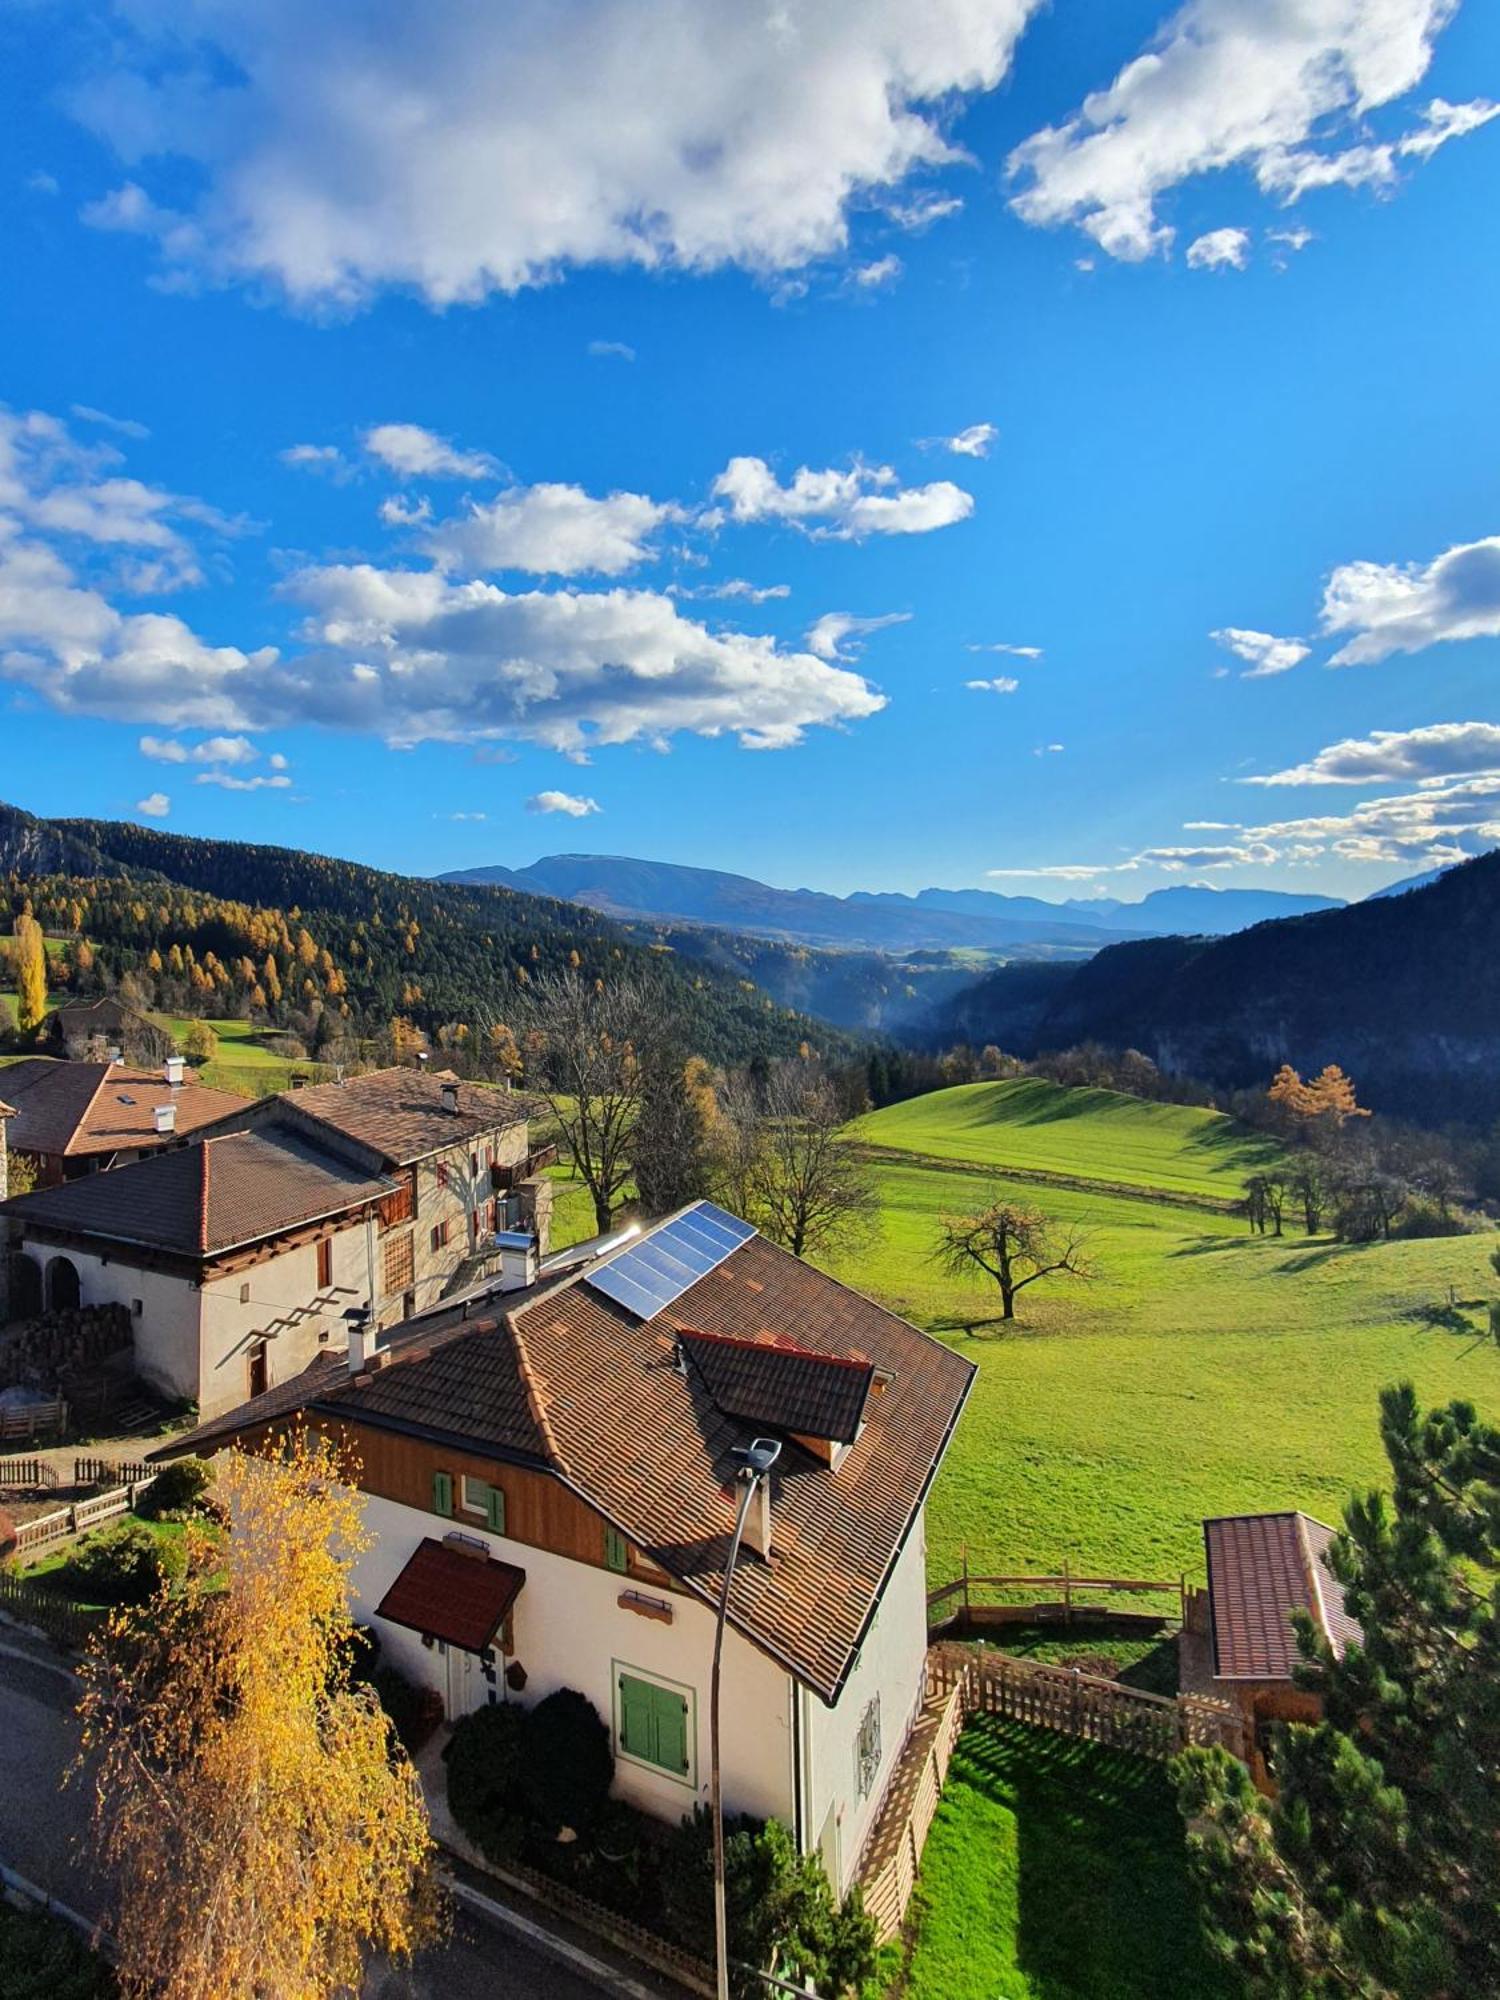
{"x":87,"y":1112}
{"x":776,"y":1344}
{"x":526,"y":1368}
{"x":203,"y":1198}
{"x":1311,"y":1566}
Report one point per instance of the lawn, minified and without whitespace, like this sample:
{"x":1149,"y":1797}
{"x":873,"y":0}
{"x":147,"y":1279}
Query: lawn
{"x":54,"y":1570}
{"x":1055,"y":1870}
{"x":1095,"y":1135}
{"x":1202,"y":1371}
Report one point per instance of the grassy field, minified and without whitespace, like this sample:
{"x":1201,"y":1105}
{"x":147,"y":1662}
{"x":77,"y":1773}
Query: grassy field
{"x":1030,"y":1125}
{"x":1201,"y":1371}
{"x":1055,"y":1871}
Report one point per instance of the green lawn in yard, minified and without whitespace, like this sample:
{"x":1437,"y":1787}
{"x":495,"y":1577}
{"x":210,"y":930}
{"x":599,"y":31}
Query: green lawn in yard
{"x":1202,"y":1371}
{"x":8,"y":1006}
{"x":53,"y":1571}
{"x":1055,"y":1870}
{"x":1097,"y":1135}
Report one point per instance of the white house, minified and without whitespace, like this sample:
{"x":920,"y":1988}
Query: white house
{"x":550,"y":1475}
{"x":239,"y":1253}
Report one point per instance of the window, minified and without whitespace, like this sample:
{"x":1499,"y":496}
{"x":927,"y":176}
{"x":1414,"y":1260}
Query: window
{"x":325,"y":1263}
{"x":867,"y":1748}
{"x":616,"y":1552}
{"x":400,"y":1263}
{"x":442,"y":1494}
{"x":477,"y":1496}
{"x":440,"y":1233}
{"x":245,"y":1293}
{"x":654,"y":1724}
{"x":259,"y":1369}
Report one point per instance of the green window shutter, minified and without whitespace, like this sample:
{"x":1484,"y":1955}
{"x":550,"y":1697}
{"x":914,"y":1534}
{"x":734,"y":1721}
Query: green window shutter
{"x":495,"y":1508}
{"x":671,"y":1731}
{"x":654,"y":1725}
{"x":442,"y":1494}
{"x":637,"y":1733}
{"x":616,"y":1555}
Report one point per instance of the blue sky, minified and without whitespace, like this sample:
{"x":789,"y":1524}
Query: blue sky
{"x":389,"y":398}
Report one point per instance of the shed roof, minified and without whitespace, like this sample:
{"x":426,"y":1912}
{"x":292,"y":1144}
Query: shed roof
{"x":454,"y":1594}
{"x":1261,"y":1569}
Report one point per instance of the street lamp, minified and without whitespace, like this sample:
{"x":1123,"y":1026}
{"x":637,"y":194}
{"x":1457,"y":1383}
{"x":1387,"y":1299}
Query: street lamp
{"x":756,"y":1461}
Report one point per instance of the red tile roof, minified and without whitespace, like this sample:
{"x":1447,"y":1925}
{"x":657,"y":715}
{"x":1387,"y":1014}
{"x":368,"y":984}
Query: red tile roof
{"x":789,"y":1388}
{"x":391,"y":1117}
{"x":1262,"y":1568}
{"x":80,"y":1108}
{"x":452,"y":1594}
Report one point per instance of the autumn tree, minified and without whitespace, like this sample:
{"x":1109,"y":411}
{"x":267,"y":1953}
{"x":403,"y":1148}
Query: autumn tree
{"x":672,"y":1145}
{"x":1375,"y":1874}
{"x":588,"y":1045}
{"x":31,"y":974}
{"x":200,"y":1044}
{"x":259,"y":1827}
{"x":1328,"y":1096}
{"x":1014,"y":1245}
{"x":805,"y":1187}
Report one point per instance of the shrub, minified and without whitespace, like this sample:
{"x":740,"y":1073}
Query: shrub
{"x":568,"y":1766}
{"x":125,"y":1565}
{"x":178,"y":1489}
{"x":414,"y":1712}
{"x":1423,"y":1217}
{"x":485,"y":1758}
{"x":42,"y":1959}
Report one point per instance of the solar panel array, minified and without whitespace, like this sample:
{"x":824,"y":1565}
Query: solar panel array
{"x":653,"y":1274}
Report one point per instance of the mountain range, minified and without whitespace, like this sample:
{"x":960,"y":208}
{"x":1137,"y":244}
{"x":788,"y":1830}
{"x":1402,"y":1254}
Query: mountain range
{"x":931,"y":920}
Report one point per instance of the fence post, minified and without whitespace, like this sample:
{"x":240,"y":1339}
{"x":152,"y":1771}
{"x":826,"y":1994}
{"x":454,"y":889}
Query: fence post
{"x":1067,"y":1592}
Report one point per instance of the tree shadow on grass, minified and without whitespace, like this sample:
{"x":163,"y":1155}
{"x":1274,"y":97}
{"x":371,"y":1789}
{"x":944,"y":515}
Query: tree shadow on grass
{"x":1204,"y":1246}
{"x":977,"y":1326}
{"x":1106,"y":1907}
{"x":1310,"y":1260}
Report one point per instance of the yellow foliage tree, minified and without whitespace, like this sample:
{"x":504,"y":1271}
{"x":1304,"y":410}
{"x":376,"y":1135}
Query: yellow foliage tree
{"x":201,"y":1043}
{"x":259,"y":1826}
{"x":31,"y":974}
{"x":1329,"y":1094}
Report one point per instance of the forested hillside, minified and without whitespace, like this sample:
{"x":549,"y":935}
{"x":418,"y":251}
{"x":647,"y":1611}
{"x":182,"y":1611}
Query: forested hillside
{"x":1403,"y":991}
{"x":330,"y":950}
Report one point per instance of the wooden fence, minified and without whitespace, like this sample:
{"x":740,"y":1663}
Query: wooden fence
{"x":19,"y":1475}
{"x":69,"y":1624}
{"x":975,"y":1602}
{"x":33,"y":1420}
{"x":888,"y":1867}
{"x":78,"y":1518}
{"x":112,"y":1472}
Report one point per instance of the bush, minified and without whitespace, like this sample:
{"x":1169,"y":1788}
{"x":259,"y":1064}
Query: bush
{"x":1423,"y":1217}
{"x":485,"y":1757}
{"x":125,"y":1565}
{"x":41,"y":1958}
{"x":415,"y":1712}
{"x":178,"y":1489}
{"x":568,"y":1766}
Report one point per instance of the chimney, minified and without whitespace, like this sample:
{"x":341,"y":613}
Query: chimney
{"x":517,"y":1249}
{"x":421,"y":1058}
{"x":173,"y":1068}
{"x":115,"y":1054}
{"x":758,"y":1520}
{"x":450,"y":1098}
{"x":362,"y":1339}
{"x":166,"y":1117}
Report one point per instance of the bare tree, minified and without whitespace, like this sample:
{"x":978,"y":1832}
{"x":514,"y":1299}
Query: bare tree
{"x":672,"y":1145}
{"x":806,"y":1188}
{"x":587,"y":1046}
{"x":1305,"y":1186}
{"x":1015,"y":1246}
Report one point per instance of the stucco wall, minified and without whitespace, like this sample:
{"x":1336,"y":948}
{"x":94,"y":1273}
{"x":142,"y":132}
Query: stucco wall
{"x":165,"y":1330}
{"x":282,"y":1291}
{"x":569,"y":1631}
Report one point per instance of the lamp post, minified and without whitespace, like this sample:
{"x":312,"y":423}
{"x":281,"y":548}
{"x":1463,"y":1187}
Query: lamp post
{"x":756,"y":1461}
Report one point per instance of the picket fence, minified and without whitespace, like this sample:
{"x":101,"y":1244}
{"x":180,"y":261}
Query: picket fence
{"x":78,"y":1518}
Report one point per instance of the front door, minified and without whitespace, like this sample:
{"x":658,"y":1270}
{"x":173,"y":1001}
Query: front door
{"x":467,"y":1687}
{"x":259,"y":1373}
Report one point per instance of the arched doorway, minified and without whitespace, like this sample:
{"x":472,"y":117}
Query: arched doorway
{"x":63,"y":1288}
{"x":25,"y":1286}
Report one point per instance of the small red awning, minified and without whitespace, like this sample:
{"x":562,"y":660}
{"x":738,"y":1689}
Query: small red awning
{"x":450,"y":1594}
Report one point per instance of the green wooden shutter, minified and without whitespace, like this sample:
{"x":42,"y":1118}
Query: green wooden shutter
{"x":442,"y":1494}
{"x":671,"y":1731}
{"x":637,"y":1731}
{"x":495,"y":1508}
{"x":616,"y":1555}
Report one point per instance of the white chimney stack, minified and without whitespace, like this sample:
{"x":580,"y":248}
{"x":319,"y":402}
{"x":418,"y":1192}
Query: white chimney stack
{"x":758,"y":1520}
{"x":166,"y":1117}
{"x":174,"y":1070}
{"x":361,"y":1342}
{"x":517,"y":1249}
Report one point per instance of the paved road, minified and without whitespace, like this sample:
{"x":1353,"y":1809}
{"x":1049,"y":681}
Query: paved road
{"x":44,"y":1835}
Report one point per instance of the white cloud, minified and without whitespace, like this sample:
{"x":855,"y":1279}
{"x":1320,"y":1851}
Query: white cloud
{"x":324,"y":458}
{"x":866,"y":500}
{"x":611,"y":350}
{"x":734,"y":586}
{"x":155,"y":805}
{"x":974,"y":442}
{"x":1442,"y":121}
{"x":563,"y":802}
{"x":1000,"y":646}
{"x":1263,"y":652}
{"x":998,"y":684}
{"x":1219,"y":250}
{"x":415,"y":453}
{"x":1048,"y":750}
{"x":39,"y":181}
{"x":227,"y":781}
{"x":465,"y":816}
{"x":461,"y":151}
{"x":126,"y":427}
{"x":1403,"y":607}
{"x":212,"y":750}
{"x":1440,"y":750}
{"x":550,"y":529}
{"x":871,"y":277}
{"x":1445,"y":819}
{"x":1225,"y":83}
{"x":838,"y":635}
{"x":924,"y":209}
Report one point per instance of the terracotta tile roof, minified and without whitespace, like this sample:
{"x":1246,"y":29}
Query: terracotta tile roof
{"x":452,"y":1595}
{"x":81,"y":1108}
{"x":1262,"y":1568}
{"x":564,"y":1377}
{"x":206,"y":1198}
{"x":394,"y":1117}
{"x":784,"y":1387}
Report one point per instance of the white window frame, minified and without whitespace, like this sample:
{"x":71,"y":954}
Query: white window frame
{"x":468,"y":1506}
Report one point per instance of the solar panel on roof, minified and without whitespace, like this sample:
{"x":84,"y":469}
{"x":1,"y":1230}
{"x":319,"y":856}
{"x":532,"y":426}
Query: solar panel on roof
{"x":650,"y":1276}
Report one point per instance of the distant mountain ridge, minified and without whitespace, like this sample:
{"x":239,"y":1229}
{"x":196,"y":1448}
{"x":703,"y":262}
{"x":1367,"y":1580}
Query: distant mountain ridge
{"x":932,"y":920}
